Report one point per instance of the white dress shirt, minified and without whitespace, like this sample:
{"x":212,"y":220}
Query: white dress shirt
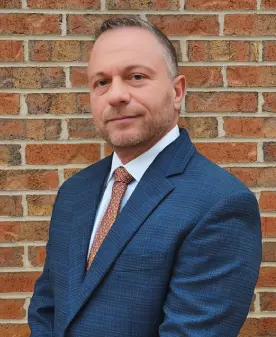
{"x":136,"y":167}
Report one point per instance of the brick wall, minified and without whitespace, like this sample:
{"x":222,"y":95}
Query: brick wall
{"x":227,"y":50}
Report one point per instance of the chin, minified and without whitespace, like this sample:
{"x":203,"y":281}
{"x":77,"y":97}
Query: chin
{"x":125,"y":139}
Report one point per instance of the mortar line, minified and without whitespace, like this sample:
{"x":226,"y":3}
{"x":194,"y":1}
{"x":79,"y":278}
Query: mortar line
{"x":260,"y":52}
{"x":64,"y":25}
{"x":26,"y":50}
{"x":132,"y":11}
{"x":259,"y":2}
{"x":22,"y":152}
{"x":68,"y":65}
{"x":24,"y":4}
{"x":221,"y":131}
{"x":24,"y":205}
{"x":260,"y":153}
{"x":181,"y":5}
{"x":221,"y":24}
{"x":26,"y":262}
{"x":261,"y":102}
{"x":257,"y":304}
{"x":18,"y":37}
{"x":103,"y":5}
{"x":184,"y":51}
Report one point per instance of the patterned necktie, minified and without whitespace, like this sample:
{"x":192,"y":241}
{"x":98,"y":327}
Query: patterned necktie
{"x":121,"y":179}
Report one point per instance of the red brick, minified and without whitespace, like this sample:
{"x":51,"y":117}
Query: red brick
{"x":28,"y":180}
{"x":200,"y":127}
{"x":37,"y":129}
{"x":269,"y":252}
{"x":268,"y":301}
{"x":250,"y":127}
{"x":221,"y":102}
{"x":258,"y":327}
{"x":43,"y":129}
{"x":40,"y":205}
{"x":186,"y":24}
{"x":9,"y":104}
{"x":14,"y":330}
{"x":269,"y":151}
{"x":57,"y":104}
{"x":65,"y":4}
{"x":143,"y":5}
{"x":202,"y":76}
{"x":86,"y":47}
{"x":68,"y":173}
{"x":12,"y":308}
{"x":10,"y":4}
{"x":220,"y":5}
{"x":11,"y":205}
{"x":31,"y":24}
{"x":269,"y":51}
{"x":62,"y":153}
{"x":229,"y":152}
{"x":55,"y":50}
{"x":32,"y":78}
{"x":268,"y":227}
{"x":16,"y":231}
{"x":11,"y":51}
{"x":269,"y":102}
{"x":87,"y":24}
{"x":79,"y":78}
{"x":82,"y":129}
{"x":268,"y":201}
{"x":267,"y":277}
{"x":250,"y":24}
{"x":223,"y":51}
{"x":37,"y":255}
{"x":248,"y":76}
{"x":11,"y":257}
{"x":268,"y":4}
{"x":18,"y":281}
{"x":255,"y":176}
{"x":10,"y":154}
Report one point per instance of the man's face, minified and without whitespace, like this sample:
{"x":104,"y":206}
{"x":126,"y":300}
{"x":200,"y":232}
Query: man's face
{"x":132,"y":98}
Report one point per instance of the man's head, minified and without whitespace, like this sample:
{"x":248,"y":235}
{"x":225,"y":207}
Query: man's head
{"x":135,"y":90}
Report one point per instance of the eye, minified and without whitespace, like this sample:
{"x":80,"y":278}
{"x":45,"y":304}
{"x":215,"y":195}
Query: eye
{"x":137,"y":77}
{"x":101,"y":83}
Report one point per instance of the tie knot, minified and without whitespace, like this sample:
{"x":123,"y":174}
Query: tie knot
{"x":122,"y":175}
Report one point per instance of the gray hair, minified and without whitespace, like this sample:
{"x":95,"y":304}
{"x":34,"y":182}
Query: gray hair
{"x":169,"y":50}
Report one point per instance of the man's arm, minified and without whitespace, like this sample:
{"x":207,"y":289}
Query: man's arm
{"x":42,"y":308}
{"x":215,"y":272}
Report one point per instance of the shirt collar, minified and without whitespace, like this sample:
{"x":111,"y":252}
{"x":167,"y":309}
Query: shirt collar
{"x":138,"y":166}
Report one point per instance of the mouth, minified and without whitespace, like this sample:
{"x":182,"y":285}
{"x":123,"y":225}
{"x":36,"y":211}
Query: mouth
{"x":121,"y":118}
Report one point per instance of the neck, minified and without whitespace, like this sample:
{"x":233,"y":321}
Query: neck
{"x":128,"y":154}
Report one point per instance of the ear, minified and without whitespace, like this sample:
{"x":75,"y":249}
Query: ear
{"x":179,"y":88}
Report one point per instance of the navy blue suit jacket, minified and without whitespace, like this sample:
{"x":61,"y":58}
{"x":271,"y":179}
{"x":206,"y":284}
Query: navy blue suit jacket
{"x":182,"y":258}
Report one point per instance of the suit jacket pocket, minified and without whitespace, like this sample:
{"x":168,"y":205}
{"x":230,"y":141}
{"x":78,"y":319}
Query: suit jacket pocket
{"x":136,"y":261}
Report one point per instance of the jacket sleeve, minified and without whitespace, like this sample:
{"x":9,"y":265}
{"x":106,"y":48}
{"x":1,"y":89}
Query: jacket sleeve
{"x":42,"y":306}
{"x":215,"y":272}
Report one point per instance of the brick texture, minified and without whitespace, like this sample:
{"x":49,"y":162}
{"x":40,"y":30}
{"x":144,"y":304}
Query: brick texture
{"x":250,"y":24}
{"x":226,"y":51}
{"x":219,"y":51}
{"x":220,"y":5}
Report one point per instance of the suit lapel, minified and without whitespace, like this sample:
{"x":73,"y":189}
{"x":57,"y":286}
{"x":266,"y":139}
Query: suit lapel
{"x":152,"y":189}
{"x":91,"y":187}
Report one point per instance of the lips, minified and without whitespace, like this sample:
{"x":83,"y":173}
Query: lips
{"x":121,"y":118}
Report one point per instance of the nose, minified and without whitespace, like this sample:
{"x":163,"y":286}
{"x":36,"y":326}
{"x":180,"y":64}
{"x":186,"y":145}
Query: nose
{"x":118,"y":93}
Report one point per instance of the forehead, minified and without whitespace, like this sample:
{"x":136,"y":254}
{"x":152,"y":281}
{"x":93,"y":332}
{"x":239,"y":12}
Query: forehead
{"x":122,"y":47}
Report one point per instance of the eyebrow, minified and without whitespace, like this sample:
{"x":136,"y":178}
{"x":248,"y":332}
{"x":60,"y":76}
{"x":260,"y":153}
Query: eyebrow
{"x":127,"y":69}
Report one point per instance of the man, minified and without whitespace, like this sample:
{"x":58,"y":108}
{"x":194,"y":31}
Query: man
{"x":154,"y":240}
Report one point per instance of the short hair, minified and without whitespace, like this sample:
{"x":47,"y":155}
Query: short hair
{"x":170,"y":53}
